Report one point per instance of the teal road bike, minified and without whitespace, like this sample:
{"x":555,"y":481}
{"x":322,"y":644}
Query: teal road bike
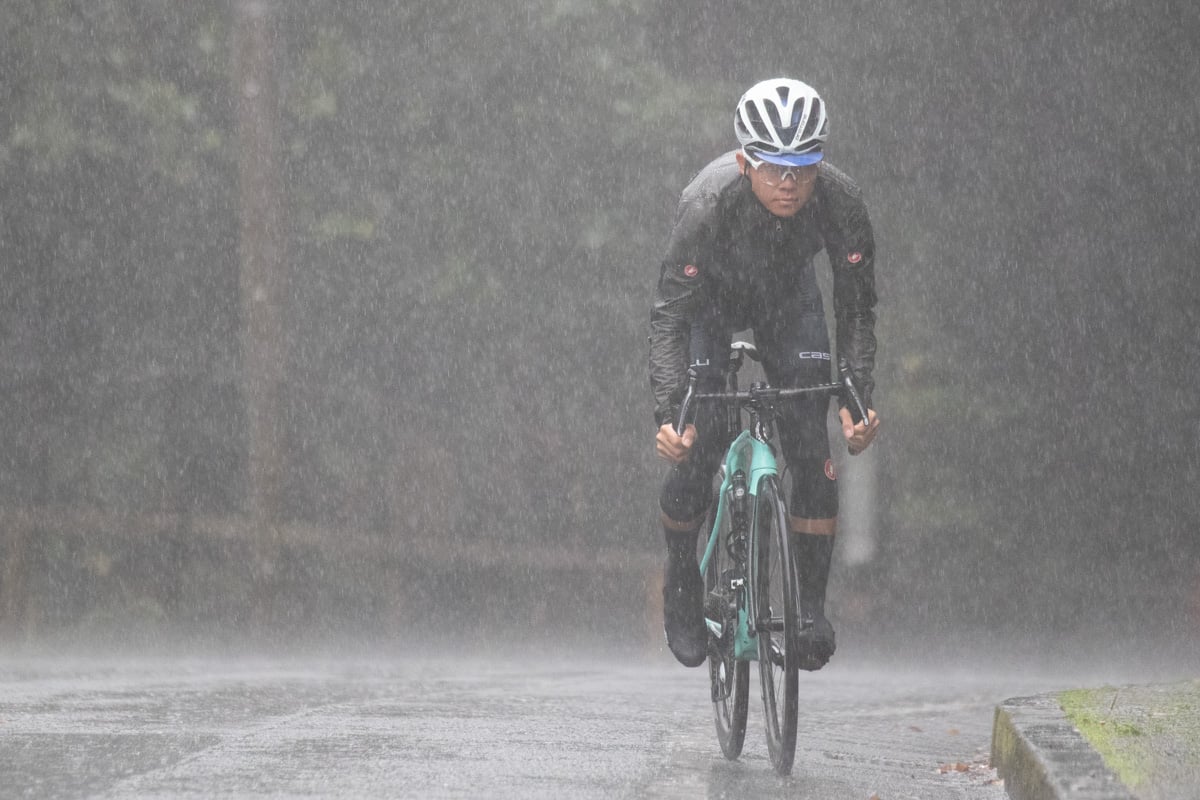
{"x":751,"y":605}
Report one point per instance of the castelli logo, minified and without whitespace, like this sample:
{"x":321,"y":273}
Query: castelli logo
{"x":829,"y":471}
{"x":854,"y":257}
{"x":691,"y":270}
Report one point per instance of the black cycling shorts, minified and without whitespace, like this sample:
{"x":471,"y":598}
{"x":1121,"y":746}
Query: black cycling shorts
{"x":795,"y":352}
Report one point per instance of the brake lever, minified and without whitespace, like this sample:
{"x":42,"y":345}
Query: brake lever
{"x":858,"y":412}
{"x":686,"y":406}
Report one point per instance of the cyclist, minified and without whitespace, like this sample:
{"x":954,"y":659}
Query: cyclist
{"x":740,"y":256}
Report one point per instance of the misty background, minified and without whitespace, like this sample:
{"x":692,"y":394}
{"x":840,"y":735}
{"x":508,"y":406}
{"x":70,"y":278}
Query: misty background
{"x":330,"y":318}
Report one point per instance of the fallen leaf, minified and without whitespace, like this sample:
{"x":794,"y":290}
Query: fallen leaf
{"x":915,"y":728}
{"x":957,"y":766}
{"x":953,"y":731}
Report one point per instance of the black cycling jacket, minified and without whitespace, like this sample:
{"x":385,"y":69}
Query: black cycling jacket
{"x":728,"y":252}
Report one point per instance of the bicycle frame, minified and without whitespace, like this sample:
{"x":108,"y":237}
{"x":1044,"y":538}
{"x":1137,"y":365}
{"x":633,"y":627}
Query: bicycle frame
{"x":752,"y":456}
{"x":754,"y":459}
{"x":740,"y":579}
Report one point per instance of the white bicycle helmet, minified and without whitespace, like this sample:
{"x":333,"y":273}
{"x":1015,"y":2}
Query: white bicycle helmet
{"x":782,"y":121}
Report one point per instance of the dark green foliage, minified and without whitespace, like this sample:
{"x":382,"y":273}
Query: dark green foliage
{"x":476,"y":199}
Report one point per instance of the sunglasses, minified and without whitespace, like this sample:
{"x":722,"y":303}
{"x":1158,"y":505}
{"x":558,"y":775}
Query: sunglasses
{"x":775,"y":174}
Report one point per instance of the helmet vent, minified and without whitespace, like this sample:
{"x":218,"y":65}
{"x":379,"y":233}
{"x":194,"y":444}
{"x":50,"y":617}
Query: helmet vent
{"x":814,"y":119}
{"x":757,"y":126}
{"x":773,"y":113}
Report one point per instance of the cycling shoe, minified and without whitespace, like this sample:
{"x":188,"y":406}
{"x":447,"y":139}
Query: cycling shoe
{"x":815,"y":644}
{"x":683,"y":614}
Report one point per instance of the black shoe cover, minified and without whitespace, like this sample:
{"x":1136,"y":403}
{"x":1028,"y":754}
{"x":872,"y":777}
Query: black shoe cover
{"x":683,"y":614}
{"x":816,"y":643}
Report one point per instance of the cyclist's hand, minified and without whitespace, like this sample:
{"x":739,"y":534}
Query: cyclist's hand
{"x":858,"y":437}
{"x":672,"y":446}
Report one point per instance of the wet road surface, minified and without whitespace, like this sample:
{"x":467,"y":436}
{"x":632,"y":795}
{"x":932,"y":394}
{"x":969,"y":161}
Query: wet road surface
{"x":486,"y":728}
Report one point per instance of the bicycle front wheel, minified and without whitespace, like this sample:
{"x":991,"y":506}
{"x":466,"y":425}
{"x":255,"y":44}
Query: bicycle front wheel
{"x":777,"y":623}
{"x":729,"y":676}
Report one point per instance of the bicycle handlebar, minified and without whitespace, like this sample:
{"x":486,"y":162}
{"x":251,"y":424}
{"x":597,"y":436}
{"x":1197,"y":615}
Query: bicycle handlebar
{"x":759,"y":394}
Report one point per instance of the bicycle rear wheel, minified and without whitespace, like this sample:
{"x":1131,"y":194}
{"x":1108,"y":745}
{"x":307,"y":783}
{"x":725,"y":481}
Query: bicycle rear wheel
{"x":729,"y":676}
{"x":778,"y":623}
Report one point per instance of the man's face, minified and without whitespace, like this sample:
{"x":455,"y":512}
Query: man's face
{"x":783,"y":197}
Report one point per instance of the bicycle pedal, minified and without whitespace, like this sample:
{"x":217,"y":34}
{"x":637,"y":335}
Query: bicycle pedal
{"x":720,"y":691}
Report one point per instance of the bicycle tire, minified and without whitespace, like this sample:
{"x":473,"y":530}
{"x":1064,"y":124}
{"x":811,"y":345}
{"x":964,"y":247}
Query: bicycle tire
{"x":777,"y":623}
{"x":729,"y":677}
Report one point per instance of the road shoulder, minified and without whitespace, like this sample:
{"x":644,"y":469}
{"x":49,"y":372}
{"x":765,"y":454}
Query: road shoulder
{"x":1040,"y":755}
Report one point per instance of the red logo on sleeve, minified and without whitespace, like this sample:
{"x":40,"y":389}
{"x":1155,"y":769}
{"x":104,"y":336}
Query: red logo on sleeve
{"x":691,"y":270}
{"x":829,"y":471}
{"x":854,"y":257}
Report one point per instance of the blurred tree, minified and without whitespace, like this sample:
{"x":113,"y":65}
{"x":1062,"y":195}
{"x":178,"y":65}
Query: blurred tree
{"x":263,"y":250}
{"x":477,"y":196}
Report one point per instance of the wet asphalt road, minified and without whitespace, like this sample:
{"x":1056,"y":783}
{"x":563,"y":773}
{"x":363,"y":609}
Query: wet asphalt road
{"x":487,"y":728}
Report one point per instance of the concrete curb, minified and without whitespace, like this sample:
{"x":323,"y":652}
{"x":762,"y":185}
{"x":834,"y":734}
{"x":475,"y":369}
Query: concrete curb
{"x":1041,"y":756}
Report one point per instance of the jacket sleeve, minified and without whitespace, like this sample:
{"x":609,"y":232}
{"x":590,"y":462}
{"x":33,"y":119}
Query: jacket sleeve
{"x":681,"y":286}
{"x":850,"y":243}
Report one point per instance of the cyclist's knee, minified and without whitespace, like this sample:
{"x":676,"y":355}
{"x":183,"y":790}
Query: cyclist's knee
{"x":683,"y":501}
{"x":814,"y":489}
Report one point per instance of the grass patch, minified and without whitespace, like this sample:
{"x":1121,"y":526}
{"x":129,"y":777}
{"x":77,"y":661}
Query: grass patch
{"x":1120,"y":742}
{"x":1145,"y":734}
